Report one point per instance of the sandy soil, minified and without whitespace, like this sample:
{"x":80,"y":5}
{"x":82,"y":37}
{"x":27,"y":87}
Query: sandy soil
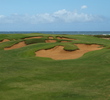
{"x":50,"y":41}
{"x":65,"y":38}
{"x":5,"y":40}
{"x":19,"y":45}
{"x":106,"y":38}
{"x":57,"y":53}
{"x":65,"y":41}
{"x":37,"y":37}
{"x":50,"y":37}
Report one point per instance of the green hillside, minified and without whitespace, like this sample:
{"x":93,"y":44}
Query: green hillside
{"x":24,"y":76}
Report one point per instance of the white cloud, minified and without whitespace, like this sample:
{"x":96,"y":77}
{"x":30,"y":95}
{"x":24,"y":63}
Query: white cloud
{"x":58,"y":16}
{"x":68,"y":16}
{"x":2,"y":16}
{"x":83,"y":7}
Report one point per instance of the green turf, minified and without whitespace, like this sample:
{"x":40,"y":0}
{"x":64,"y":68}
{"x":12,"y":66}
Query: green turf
{"x":26,"y":77}
{"x":32,"y":41}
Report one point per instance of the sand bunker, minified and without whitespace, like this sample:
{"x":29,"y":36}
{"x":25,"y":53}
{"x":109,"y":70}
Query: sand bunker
{"x":57,"y":53}
{"x":50,"y":41}
{"x":106,"y":38}
{"x":37,"y":37}
{"x":65,"y":38}
{"x":5,"y":40}
{"x":19,"y":45}
{"x":65,"y":41}
{"x":50,"y":37}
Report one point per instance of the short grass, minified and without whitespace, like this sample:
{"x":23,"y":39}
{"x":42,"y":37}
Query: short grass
{"x":26,"y":77}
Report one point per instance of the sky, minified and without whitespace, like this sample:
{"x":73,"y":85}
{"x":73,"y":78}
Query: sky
{"x":54,"y":15}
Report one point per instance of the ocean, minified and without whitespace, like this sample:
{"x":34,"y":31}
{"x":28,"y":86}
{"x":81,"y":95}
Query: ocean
{"x":59,"y":32}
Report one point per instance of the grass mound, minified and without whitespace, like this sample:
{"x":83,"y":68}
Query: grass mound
{"x":32,"y":41}
{"x":70,"y":47}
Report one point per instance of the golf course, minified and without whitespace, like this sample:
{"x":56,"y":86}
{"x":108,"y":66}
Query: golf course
{"x":38,"y":66}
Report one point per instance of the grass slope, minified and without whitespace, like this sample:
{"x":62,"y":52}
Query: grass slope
{"x":26,"y":77}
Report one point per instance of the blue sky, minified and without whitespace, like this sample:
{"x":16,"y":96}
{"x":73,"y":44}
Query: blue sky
{"x":54,"y":15}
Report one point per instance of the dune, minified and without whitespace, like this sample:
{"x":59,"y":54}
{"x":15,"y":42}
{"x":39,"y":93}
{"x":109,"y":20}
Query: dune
{"x":19,"y":45}
{"x":58,"y":53}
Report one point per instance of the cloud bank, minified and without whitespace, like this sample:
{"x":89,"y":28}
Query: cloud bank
{"x":63,"y":16}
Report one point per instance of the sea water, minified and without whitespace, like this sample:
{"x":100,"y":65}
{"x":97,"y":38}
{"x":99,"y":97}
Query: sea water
{"x":59,"y":32}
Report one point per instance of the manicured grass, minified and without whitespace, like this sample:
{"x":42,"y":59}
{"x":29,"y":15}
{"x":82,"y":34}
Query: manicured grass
{"x":26,"y":77}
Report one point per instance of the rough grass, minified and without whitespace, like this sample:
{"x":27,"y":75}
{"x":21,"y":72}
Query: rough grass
{"x":102,"y":36}
{"x":32,"y":41}
{"x":26,"y":77}
{"x":8,"y":44}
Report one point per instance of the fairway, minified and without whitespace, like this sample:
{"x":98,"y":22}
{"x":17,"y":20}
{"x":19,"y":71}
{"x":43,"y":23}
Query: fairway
{"x":39,"y":66}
